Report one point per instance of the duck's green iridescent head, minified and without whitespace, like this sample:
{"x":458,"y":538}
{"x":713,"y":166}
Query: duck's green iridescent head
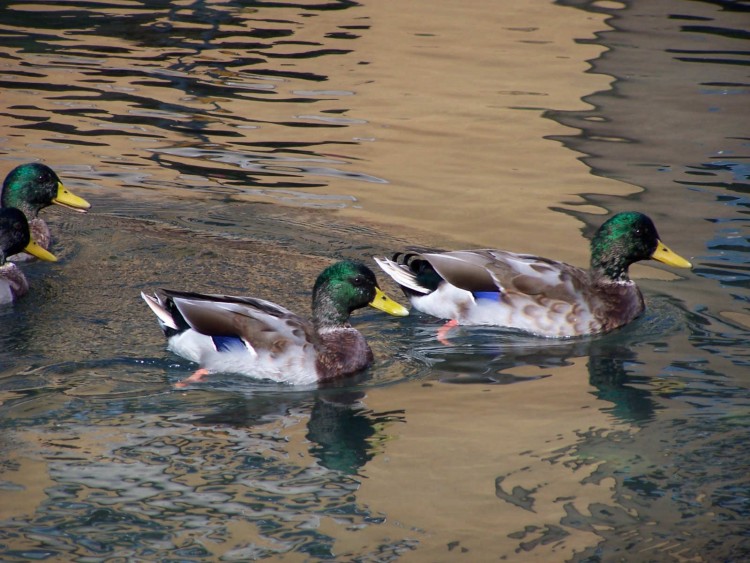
{"x":16,"y":238}
{"x":32,"y":187}
{"x":345,"y":287}
{"x":627,"y":238}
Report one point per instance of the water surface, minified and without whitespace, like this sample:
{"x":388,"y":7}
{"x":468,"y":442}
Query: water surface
{"x":241,"y":147}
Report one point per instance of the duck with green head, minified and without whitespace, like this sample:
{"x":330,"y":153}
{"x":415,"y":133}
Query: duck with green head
{"x":33,"y":186}
{"x":537,"y":295}
{"x":15,"y":238}
{"x":263,"y":340}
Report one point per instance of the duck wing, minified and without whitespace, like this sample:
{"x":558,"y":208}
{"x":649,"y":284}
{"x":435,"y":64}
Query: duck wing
{"x":489,"y":270}
{"x":466,"y":269}
{"x":261,"y":324}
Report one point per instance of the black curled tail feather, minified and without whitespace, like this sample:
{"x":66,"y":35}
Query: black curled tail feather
{"x":423,"y":271}
{"x":170,"y":319}
{"x":179,"y":320}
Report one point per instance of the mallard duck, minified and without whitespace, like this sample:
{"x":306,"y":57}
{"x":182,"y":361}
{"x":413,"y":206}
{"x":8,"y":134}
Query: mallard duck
{"x":15,"y":238}
{"x":33,"y":186}
{"x":261,"y":339}
{"x":537,"y":295}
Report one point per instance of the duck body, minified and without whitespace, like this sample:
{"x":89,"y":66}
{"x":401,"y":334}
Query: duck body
{"x":537,"y":295}
{"x":15,"y":238}
{"x":41,"y":233}
{"x":263,"y":340}
{"x":13,"y":283}
{"x":31,"y":187}
{"x":521,"y":291}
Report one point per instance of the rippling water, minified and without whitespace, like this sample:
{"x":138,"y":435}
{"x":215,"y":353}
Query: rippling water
{"x":241,"y":146}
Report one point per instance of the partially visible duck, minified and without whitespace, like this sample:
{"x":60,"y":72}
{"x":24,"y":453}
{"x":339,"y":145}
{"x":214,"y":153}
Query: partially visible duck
{"x":261,"y":339}
{"x":33,"y":186}
{"x":538,"y":295}
{"x":15,"y":238}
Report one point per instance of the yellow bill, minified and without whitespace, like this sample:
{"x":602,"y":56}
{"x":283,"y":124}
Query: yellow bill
{"x":388,"y":305}
{"x":70,"y":200}
{"x":663,"y":254}
{"x":35,"y":250}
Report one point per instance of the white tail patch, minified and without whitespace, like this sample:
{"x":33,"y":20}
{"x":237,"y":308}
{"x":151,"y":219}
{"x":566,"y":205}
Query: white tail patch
{"x":401,"y":275}
{"x":159,"y":311}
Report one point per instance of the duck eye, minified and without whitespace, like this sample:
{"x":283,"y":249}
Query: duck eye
{"x":358,"y":281}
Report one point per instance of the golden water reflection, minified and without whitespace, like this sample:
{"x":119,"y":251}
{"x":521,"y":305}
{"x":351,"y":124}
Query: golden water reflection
{"x":461,"y":128}
{"x":502,"y":478}
{"x":489,"y":470}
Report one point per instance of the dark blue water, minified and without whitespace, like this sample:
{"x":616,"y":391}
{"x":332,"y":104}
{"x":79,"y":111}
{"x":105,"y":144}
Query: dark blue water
{"x":216,"y":142}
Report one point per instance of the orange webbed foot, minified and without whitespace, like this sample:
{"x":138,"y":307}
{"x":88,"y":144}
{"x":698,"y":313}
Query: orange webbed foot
{"x":442,"y":333}
{"x":197,"y":376}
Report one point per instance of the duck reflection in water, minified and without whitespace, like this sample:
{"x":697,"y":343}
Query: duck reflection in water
{"x":607,"y":366}
{"x":345,"y":435}
{"x":492,"y":356}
